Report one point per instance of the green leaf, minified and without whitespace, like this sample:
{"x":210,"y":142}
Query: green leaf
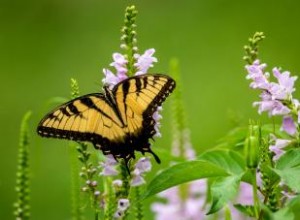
{"x":290,"y":159}
{"x":246,"y":209}
{"x":223,"y":190}
{"x":294,"y":202}
{"x":228,"y":160}
{"x":268,"y":129}
{"x":290,"y":177}
{"x":182,"y":173}
{"x":285,"y":213}
{"x":288,"y":168}
{"x":234,"y":138}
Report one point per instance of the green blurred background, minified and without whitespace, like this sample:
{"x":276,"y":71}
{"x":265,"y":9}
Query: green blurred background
{"x":45,"y":43}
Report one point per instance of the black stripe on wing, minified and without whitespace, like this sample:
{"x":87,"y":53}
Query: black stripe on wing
{"x":162,"y":95}
{"x":149,"y":122}
{"x":69,"y":112}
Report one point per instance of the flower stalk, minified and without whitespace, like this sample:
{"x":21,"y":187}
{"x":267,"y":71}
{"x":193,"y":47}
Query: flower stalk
{"x":77,"y":213}
{"x":277,"y":100}
{"x":252,"y":49}
{"x":87,"y":173}
{"x":252,"y":147}
{"x":129,"y":38}
{"x":22,"y":206}
{"x":131,"y":63}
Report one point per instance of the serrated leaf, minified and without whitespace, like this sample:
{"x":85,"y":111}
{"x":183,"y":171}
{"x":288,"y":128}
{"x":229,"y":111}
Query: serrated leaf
{"x":229,"y":160}
{"x":182,"y":173}
{"x":223,"y":190}
{"x":288,"y":168}
{"x":246,"y":209}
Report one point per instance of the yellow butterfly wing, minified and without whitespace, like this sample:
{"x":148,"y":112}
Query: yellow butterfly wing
{"x":87,"y":118}
{"x":117,"y":122}
{"x":137,"y":99}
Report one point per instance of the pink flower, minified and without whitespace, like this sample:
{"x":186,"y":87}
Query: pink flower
{"x":119,"y":63}
{"x":137,"y":180}
{"x":108,"y":166}
{"x":142,"y":64}
{"x":142,"y":166}
{"x":285,"y":87}
{"x":288,"y":125}
{"x":256,"y":73}
{"x":274,"y":94}
{"x":110,"y":78}
{"x":274,"y":107}
{"x":144,"y":61}
{"x":157,"y":116}
{"x":277,"y":147}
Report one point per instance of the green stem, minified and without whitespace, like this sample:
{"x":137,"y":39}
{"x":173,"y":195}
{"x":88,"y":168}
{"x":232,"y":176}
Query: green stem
{"x":126,"y":184}
{"x":138,"y":205}
{"x":254,"y":190}
{"x":110,"y":199}
{"x":125,"y":179}
{"x":75,"y":185}
{"x":22,"y":206}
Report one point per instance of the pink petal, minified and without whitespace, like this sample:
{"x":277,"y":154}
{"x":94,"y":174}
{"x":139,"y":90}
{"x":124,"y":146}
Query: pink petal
{"x":288,"y":125}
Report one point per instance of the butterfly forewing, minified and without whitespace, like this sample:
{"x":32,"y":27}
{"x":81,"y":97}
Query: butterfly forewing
{"x":81,"y":119}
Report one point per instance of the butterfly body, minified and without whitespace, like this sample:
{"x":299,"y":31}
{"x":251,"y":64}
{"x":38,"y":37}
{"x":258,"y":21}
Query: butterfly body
{"x":118,"y":121}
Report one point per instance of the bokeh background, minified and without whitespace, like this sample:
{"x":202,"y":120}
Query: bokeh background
{"x":45,"y":43}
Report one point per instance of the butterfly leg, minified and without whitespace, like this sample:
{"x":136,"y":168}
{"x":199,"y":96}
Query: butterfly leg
{"x":154,"y":155}
{"x":147,"y":149}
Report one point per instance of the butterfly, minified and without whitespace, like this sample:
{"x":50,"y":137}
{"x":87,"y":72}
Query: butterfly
{"x":118,"y":121}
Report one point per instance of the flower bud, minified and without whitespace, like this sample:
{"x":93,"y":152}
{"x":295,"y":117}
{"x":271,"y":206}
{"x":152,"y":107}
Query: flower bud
{"x":251,"y":151}
{"x":252,"y":145}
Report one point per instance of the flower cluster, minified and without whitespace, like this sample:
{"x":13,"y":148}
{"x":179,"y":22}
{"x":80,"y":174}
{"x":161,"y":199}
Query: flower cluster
{"x":109,"y":166}
{"x":142,"y":64}
{"x":142,"y":166}
{"x":276,"y":99}
{"x":124,"y":65}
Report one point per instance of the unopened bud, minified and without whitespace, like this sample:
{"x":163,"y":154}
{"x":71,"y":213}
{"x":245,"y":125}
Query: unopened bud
{"x":252,"y":145}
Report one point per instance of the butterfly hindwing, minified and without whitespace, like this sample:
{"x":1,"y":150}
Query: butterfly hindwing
{"x":138,"y":98}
